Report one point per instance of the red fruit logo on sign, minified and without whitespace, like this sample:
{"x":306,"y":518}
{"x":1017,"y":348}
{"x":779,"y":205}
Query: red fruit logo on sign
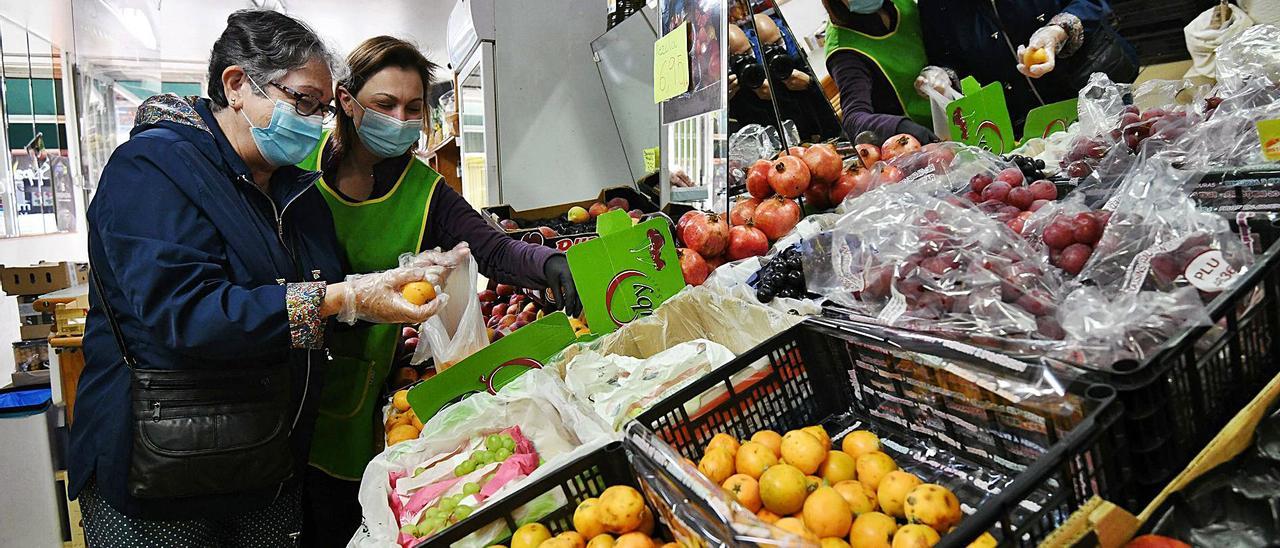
{"x":488,"y":380}
{"x":957,"y":118}
{"x":1057,"y":122}
{"x":643,"y":303}
{"x":656,"y":242}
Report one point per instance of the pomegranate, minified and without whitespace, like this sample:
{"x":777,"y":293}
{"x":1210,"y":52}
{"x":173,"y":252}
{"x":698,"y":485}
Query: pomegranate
{"x":707,"y":234}
{"x":693,"y":266}
{"x":685,"y":219}
{"x":789,"y":176}
{"x":898,"y":145}
{"x":939,"y":155}
{"x":758,"y":179}
{"x":818,"y":196}
{"x":868,"y":154}
{"x":890,"y":175}
{"x":747,"y":241}
{"x":846,"y":184}
{"x":743,"y":211}
{"x":714,"y":262}
{"x":796,"y":151}
{"x":777,"y":216}
{"x":824,"y":163}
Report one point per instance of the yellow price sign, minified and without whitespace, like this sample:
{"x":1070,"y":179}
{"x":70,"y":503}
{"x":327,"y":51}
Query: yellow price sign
{"x":1269,"y":135}
{"x":651,"y":157}
{"x":671,"y":64}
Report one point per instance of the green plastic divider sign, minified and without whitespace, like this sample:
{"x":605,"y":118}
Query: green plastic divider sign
{"x":1051,"y":118}
{"x":981,"y":118}
{"x":493,"y":366}
{"x":1269,"y":136}
{"x":624,"y":275}
{"x":671,"y":64}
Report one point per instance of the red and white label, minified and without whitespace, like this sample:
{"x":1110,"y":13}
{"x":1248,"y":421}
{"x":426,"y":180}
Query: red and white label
{"x":1210,"y":272}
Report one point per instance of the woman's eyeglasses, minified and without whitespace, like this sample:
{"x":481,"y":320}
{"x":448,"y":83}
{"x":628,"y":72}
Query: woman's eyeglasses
{"x":307,"y":105}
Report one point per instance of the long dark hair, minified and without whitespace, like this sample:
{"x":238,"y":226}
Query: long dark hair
{"x":366,"y":60}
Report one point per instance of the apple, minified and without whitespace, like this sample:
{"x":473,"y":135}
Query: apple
{"x":620,"y":203}
{"x":508,"y":224}
{"x":597,"y":209}
{"x":579,"y":215}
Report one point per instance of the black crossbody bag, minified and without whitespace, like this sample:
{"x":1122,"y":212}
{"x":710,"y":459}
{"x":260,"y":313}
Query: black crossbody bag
{"x":201,"y":432}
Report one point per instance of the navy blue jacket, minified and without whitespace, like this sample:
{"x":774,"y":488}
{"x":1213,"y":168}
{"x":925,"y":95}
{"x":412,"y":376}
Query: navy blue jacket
{"x":970,"y":37}
{"x":194,"y":261}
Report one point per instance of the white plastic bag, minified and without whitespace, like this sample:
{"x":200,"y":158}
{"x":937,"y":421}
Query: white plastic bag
{"x":559,"y":426}
{"x":938,"y":108}
{"x":1203,"y":39}
{"x":458,"y":331}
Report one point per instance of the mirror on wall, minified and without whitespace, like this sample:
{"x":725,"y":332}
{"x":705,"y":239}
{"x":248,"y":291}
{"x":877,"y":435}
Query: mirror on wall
{"x":771,"y":77}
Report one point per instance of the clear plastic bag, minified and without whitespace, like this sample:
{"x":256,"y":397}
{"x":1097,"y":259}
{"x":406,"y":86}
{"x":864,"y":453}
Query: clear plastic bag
{"x":458,"y":331}
{"x":1100,"y":330}
{"x":1254,"y":54}
{"x":1228,"y":136}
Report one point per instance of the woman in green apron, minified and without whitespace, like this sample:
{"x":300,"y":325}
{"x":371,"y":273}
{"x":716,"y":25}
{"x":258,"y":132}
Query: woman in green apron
{"x":386,"y":202}
{"x":875,"y":52}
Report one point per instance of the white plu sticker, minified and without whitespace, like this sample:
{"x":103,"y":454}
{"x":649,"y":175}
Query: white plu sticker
{"x":1210,"y":271}
{"x":896,"y":306}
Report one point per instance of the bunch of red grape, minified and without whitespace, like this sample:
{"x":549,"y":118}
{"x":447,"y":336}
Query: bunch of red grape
{"x":1134,"y":128}
{"x":1071,"y":239}
{"x":1005,"y":197}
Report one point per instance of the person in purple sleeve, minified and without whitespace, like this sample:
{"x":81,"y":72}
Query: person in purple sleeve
{"x":992,"y":40}
{"x":385,"y":202}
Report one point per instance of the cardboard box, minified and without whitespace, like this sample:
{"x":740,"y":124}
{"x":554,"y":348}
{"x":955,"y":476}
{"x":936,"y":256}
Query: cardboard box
{"x":36,"y":332}
{"x":562,"y":243}
{"x":626,"y":273}
{"x":42,"y":278}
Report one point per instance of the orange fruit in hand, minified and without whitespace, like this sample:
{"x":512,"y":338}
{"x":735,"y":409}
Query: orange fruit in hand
{"x":418,"y":292}
{"x":1035,"y":56}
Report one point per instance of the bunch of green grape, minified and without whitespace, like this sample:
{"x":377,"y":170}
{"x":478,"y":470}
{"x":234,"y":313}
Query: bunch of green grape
{"x":446,"y":512}
{"x":497,"y":448}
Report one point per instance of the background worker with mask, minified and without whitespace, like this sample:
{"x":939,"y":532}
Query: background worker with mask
{"x":386,"y":202}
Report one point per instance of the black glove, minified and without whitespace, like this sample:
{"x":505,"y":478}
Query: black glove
{"x":921,"y":133}
{"x":560,"y":280}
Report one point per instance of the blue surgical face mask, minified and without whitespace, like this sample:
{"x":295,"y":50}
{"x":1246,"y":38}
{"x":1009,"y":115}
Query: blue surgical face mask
{"x":386,"y":136}
{"x":865,"y":7}
{"x":289,"y":138}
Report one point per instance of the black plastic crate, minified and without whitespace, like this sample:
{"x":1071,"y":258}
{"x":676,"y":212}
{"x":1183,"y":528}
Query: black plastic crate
{"x":817,"y":374}
{"x":579,"y":480}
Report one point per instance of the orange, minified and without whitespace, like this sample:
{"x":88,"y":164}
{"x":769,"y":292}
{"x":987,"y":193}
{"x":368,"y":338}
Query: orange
{"x":571,"y":539}
{"x":933,"y":505}
{"x":414,"y":420}
{"x":403,"y":432}
{"x":716,"y":465}
{"x":915,"y":536}
{"x":754,"y":458}
{"x":802,"y":450}
{"x":782,"y":489}
{"x":796,"y":527}
{"x":872,"y":467}
{"x":418,"y":293}
{"x":633,"y":540}
{"x":621,"y":509}
{"x":872,"y":530}
{"x":723,"y":441}
{"x":838,"y":467}
{"x":820,"y":433}
{"x":812,"y":483}
{"x":400,"y":400}
{"x":586,"y":518}
{"x":530,"y":536}
{"x":893,"y":490}
{"x":397,"y":419}
{"x":827,"y":514}
{"x":1034,"y":56}
{"x":833,"y":543}
{"x":861,"y":500}
{"x":767,"y":516}
{"x":646,"y":522}
{"x":860,"y":442}
{"x":601,"y":541}
{"x":770,"y":439}
{"x":745,"y":489}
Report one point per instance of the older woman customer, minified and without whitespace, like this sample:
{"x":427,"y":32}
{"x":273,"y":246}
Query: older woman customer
{"x":215,"y":270}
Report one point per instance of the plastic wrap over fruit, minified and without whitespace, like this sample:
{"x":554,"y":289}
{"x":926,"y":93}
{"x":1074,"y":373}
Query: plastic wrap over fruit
{"x":1156,"y":239}
{"x":752,"y":143}
{"x":1101,"y":102}
{"x":1101,"y":330}
{"x":1255,"y":53}
{"x":698,"y":512}
{"x":906,"y":258}
{"x":1228,"y":136}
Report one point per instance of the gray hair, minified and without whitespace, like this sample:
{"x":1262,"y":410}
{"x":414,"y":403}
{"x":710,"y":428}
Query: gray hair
{"x":267,"y":45}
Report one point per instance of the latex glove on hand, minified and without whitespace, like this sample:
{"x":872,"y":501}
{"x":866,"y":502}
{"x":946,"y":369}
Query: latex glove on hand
{"x":936,"y":79}
{"x":450,"y":260}
{"x":1039,"y":56}
{"x":798,"y":81}
{"x":377,"y":297}
{"x":921,"y":133}
{"x":560,"y":282}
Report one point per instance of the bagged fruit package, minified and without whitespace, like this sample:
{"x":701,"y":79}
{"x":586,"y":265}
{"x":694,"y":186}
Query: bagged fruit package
{"x":1255,"y":54}
{"x":698,"y":511}
{"x":905,"y":258}
{"x":458,"y":330}
{"x":463,"y":460}
{"x":1156,"y":239}
{"x":1228,"y":136}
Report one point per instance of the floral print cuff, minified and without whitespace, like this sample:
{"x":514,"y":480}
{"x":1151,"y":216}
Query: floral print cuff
{"x":303,"y":301}
{"x":1075,"y":32}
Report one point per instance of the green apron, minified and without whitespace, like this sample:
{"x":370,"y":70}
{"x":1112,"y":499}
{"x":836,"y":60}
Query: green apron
{"x":899,"y":54}
{"x":373,"y":234}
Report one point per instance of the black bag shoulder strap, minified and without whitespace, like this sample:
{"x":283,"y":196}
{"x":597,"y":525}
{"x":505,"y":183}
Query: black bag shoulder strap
{"x":111,"y":318}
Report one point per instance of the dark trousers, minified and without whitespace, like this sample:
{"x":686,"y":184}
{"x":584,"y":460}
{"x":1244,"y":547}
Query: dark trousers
{"x":330,"y":510}
{"x":275,"y":526}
